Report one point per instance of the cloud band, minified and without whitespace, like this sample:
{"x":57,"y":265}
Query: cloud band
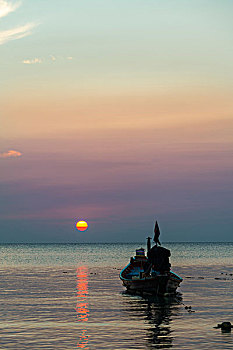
{"x":11,"y":154}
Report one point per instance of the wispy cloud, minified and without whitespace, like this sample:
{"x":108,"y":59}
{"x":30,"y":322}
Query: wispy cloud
{"x":10,"y":154}
{"x":19,"y":32}
{"x":7,"y":7}
{"x":16,"y":33}
{"x":47,"y":59}
{"x":32,"y":61}
{"x":53,"y":58}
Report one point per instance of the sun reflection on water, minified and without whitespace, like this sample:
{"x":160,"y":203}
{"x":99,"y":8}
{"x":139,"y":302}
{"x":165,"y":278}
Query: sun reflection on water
{"x":82,"y":304}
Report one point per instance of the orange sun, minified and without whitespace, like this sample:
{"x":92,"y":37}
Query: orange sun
{"x":82,"y":225}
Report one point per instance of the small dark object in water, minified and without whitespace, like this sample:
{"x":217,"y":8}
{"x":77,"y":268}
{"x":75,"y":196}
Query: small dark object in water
{"x":188,"y":277}
{"x":189,"y":308}
{"x":201,"y":278}
{"x":64,"y":271}
{"x":225,"y":326}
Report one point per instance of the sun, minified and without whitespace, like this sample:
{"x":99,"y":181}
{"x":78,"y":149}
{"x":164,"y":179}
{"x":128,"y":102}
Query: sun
{"x":82,"y":225}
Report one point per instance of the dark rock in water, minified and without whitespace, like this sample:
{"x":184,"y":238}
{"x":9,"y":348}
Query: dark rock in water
{"x":201,"y":278}
{"x":225,"y":326}
{"x":189,"y":308}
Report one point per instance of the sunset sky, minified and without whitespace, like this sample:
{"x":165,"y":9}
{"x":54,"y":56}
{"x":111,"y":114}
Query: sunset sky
{"x":119,"y":113}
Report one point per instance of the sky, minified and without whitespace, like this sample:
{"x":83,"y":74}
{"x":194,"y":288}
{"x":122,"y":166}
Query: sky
{"x":119,"y":113}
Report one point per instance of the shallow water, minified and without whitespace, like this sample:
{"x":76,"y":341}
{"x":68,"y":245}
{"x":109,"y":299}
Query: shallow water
{"x":70,"y":297}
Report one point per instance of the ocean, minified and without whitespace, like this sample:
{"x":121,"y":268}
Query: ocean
{"x":69,"y":296}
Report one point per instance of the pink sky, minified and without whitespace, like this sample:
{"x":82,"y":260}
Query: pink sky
{"x":118,"y":120}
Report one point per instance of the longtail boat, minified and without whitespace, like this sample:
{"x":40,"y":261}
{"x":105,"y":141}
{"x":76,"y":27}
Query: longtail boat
{"x":150,"y":274}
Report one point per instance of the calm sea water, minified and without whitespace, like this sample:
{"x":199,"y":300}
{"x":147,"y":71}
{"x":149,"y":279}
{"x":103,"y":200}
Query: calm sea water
{"x":70,"y":297}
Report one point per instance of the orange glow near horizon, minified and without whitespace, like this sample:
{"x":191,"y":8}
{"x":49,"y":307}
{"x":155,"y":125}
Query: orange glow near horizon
{"x":82,"y":304}
{"x":82,"y":225}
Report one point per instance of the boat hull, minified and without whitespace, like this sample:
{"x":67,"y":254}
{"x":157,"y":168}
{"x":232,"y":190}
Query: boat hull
{"x":155,"y":284}
{"x":159,"y":285}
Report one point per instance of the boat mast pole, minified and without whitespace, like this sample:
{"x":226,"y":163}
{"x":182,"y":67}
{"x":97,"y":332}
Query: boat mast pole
{"x":148,"y":244}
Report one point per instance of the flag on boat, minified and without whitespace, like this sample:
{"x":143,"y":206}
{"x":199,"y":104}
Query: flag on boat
{"x":157,"y":233}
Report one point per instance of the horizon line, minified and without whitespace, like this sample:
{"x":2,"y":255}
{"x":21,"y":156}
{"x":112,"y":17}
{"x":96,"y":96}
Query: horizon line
{"x":167,"y":242}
